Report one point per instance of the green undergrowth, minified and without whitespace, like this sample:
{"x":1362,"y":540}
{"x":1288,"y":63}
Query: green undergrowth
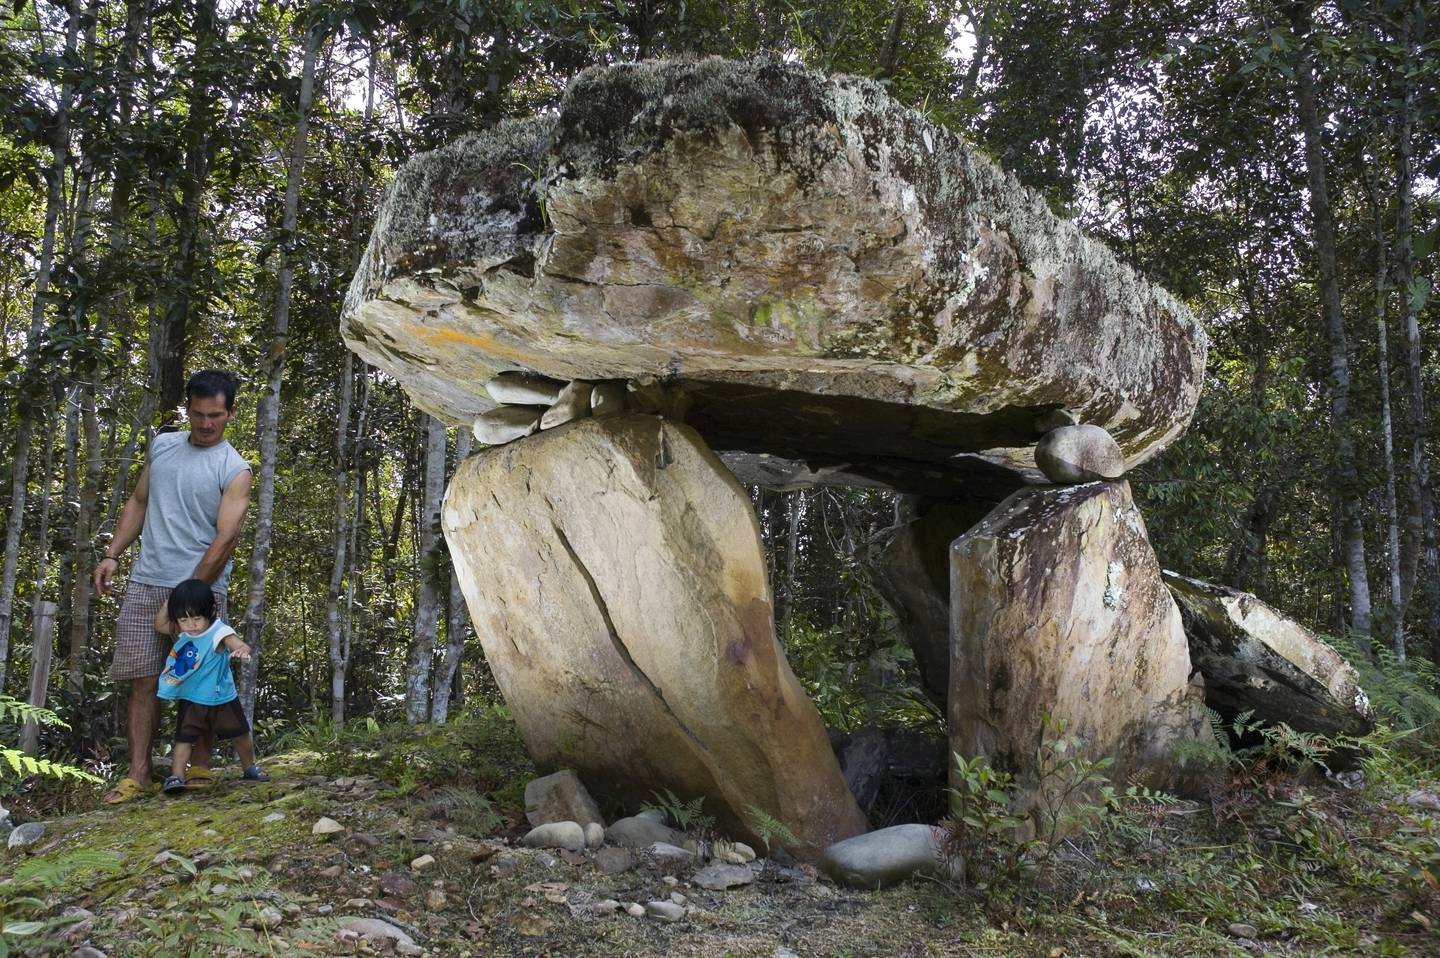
{"x":479,"y":752}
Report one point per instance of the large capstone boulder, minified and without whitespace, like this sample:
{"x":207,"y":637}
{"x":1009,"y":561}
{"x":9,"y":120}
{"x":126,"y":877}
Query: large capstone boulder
{"x":820,"y":273}
{"x":1255,"y":659}
{"x":614,"y":572}
{"x":1059,"y":610}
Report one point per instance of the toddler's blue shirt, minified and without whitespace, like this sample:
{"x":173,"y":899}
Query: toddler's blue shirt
{"x":198,"y":668}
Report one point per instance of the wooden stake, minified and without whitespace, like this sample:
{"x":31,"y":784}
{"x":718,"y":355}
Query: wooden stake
{"x":39,"y":670}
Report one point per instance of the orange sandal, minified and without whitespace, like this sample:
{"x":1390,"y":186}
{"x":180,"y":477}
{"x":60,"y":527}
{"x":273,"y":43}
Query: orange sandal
{"x":198,"y":778}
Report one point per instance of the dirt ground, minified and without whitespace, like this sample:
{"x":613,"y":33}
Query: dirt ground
{"x":239,"y":870}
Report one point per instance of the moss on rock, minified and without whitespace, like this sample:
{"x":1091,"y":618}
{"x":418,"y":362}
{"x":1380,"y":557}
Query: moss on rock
{"x":707,"y":221}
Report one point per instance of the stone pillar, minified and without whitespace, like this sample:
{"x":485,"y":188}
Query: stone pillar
{"x":1058,"y":608}
{"x":614,"y":572}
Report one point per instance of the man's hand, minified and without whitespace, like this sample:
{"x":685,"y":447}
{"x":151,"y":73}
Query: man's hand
{"x":127,"y":530}
{"x":105,"y":571}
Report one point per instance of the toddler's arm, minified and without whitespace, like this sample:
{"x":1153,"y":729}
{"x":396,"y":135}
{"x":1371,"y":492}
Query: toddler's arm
{"x":237,"y":647}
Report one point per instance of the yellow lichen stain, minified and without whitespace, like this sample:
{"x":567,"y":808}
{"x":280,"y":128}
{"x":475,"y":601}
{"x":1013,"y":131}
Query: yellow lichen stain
{"x":481,"y":342}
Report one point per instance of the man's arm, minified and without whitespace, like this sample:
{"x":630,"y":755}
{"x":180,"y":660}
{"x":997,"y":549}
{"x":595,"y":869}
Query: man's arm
{"x":227,"y":528}
{"x":127,"y":529}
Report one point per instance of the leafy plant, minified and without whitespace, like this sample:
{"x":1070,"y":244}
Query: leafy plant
{"x":469,"y":810}
{"x":980,"y":831}
{"x":18,"y":762}
{"x":768,"y":826}
{"x":1069,"y":784}
{"x":688,"y":816}
{"x":1406,"y":694}
{"x":193,"y":922}
{"x":19,"y":901}
{"x":1071,"y":795}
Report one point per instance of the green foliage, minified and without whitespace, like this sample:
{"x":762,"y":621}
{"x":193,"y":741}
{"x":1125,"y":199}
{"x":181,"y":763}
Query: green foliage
{"x":22,"y":910}
{"x":818,"y":658}
{"x":981,"y":831}
{"x":768,"y":826}
{"x":850,"y":688}
{"x":17,"y":763}
{"x":467,"y":769}
{"x":195,"y":920}
{"x":468,"y":810}
{"x":997,"y":841}
{"x":1405,"y":694}
{"x":688,"y":816}
{"x":13,"y":710}
{"x":1073,"y":790}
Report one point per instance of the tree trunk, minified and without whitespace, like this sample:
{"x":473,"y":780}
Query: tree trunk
{"x":189,"y":221}
{"x":890,"y":53}
{"x":81,"y":592}
{"x":40,"y":652}
{"x":42,"y":505}
{"x":456,"y":621}
{"x":334,"y":626}
{"x":1382,"y":348}
{"x":268,"y":415}
{"x":1411,"y":295}
{"x":427,"y":602}
{"x":981,"y":22}
{"x":25,"y":411}
{"x":794,"y":502}
{"x":356,"y":526}
{"x":1347,"y":475}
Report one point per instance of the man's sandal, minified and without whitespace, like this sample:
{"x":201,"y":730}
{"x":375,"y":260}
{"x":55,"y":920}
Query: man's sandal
{"x":254,"y":774}
{"x":174,"y":785}
{"x":125,"y":790}
{"x":198,"y":778}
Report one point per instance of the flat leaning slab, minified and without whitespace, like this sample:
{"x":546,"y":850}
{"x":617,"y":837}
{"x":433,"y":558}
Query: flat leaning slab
{"x":1253,"y":658}
{"x":824,"y":274}
{"x":614,"y":572}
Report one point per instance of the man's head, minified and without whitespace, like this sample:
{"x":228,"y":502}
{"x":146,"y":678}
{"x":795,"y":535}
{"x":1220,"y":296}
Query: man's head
{"x":210,"y":404}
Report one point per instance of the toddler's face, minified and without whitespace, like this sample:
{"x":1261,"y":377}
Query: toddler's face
{"x":194,"y":624}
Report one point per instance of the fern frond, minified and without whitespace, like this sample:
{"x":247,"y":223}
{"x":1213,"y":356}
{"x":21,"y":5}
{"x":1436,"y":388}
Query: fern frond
{"x":14,"y":710}
{"x":768,"y":826}
{"x":22,"y":765}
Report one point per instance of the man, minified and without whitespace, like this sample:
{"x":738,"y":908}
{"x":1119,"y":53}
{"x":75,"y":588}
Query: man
{"x":187,"y":510}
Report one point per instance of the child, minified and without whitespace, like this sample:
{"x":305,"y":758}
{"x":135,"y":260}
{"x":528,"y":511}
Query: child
{"x":197,"y":676}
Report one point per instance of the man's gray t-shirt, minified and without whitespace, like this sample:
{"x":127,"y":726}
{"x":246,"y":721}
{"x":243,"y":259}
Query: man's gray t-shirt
{"x":186,"y":483}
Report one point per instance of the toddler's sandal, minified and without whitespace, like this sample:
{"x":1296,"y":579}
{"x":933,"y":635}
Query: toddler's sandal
{"x":174,"y":785}
{"x":255,"y":774}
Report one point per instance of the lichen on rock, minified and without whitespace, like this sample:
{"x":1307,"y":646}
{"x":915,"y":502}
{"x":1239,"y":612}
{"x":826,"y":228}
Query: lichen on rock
{"x":758,"y":234}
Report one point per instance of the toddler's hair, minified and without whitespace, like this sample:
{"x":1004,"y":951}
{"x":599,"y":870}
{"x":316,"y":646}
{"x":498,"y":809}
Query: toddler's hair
{"x":191,"y":597}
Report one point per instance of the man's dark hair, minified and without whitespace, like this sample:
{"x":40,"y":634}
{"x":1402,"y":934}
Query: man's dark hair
{"x":211,"y":382}
{"x":191,"y":597}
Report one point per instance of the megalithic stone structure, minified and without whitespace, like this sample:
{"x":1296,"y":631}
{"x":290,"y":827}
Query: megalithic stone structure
{"x":832,"y":280}
{"x":824,"y":287}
